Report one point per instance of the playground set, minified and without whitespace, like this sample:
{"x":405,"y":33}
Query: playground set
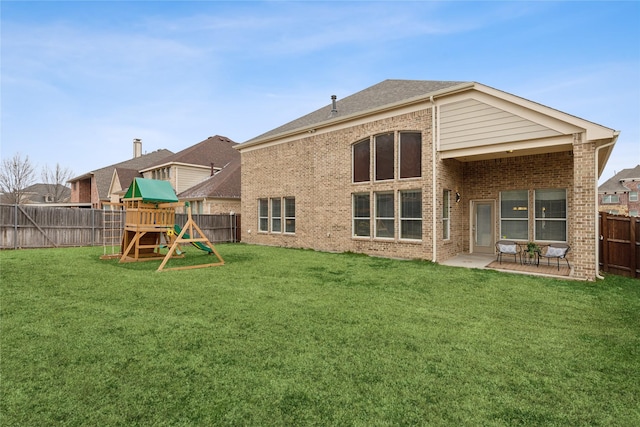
{"x":150,"y":226}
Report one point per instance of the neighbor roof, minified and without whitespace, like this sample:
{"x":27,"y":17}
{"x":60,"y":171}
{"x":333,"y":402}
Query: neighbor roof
{"x":104,"y":175}
{"x":614,"y":184}
{"x":217,"y":149}
{"x":224,"y":184}
{"x":387,"y":92}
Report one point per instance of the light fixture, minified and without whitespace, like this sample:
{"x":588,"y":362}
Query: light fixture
{"x":457,"y":197}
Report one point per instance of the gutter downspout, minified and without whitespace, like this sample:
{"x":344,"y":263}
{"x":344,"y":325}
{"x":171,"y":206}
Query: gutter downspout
{"x":597,"y":236}
{"x":434,"y":200}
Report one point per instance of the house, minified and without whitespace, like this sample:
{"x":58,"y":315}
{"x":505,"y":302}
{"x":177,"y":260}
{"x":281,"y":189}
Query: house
{"x":43,"y":194}
{"x":218,"y":193}
{"x":94,"y":187}
{"x":619,"y":194}
{"x":427,"y":170}
{"x":199,"y":163}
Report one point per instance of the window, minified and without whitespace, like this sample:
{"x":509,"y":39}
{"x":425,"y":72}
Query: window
{"x":361,"y":215}
{"x":633,"y":196}
{"x":514,"y":214}
{"x":410,"y":155}
{"x":361,"y":160}
{"x":446,"y":223}
{"x":384,"y":215}
{"x":289,"y":215}
{"x":263,"y":215}
{"x":633,"y":213}
{"x":610,"y":198}
{"x":411,"y":214}
{"x":384,"y":156}
{"x":276,"y":215}
{"x":551,"y":215}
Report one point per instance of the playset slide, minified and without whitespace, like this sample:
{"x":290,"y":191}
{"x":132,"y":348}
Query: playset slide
{"x":198,"y":245}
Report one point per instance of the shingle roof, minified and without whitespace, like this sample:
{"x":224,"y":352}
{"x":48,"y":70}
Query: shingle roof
{"x":37,"y":192}
{"x":225,"y":184}
{"x":217,"y":149}
{"x":384,"y":93}
{"x":126,"y":176}
{"x":614,"y":184}
{"x":103,"y":175}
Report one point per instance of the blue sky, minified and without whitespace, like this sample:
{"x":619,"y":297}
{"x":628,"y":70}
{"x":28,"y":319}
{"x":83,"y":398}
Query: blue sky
{"x":81,"y":79}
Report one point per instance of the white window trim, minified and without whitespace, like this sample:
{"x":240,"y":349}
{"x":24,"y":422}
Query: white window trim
{"x":566,"y":219}
{"x":273,"y":217}
{"x":284,"y":208}
{"x":446,"y":219}
{"x":608,"y":199}
{"x":402,"y":218}
{"x":399,"y":156}
{"x":355,"y":218}
{"x":260,"y":217}
{"x":374,"y":168}
{"x":353,"y":161}
{"x":376,"y":217}
{"x":527,"y":219}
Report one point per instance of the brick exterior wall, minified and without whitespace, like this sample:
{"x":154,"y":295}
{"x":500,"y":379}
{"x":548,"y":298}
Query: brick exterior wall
{"x":316,"y":171}
{"x":583,"y":215}
{"x":322,"y":186}
{"x":81,"y":191}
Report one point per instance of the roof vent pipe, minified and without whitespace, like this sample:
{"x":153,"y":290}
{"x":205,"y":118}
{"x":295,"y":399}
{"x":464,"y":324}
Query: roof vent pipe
{"x":334,"y":107}
{"x":137,"y":147}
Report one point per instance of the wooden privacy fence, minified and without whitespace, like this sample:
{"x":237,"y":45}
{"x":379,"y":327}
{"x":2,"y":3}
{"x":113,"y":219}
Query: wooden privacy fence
{"x":620,"y":245}
{"x":24,"y":226}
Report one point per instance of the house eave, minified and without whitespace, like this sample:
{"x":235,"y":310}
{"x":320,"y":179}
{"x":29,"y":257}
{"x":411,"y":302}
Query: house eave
{"x":171,"y":164}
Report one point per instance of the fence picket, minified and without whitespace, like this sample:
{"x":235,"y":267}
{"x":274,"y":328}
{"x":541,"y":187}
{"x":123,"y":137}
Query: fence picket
{"x":28,"y":226}
{"x":619,"y":245}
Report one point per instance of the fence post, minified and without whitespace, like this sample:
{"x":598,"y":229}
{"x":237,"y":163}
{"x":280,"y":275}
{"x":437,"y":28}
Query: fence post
{"x":604,"y":237}
{"x":15,"y":226}
{"x":633,"y":246}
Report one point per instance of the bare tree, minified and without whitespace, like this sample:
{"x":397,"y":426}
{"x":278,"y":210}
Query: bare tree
{"x":16,"y":174}
{"x":56,"y":181}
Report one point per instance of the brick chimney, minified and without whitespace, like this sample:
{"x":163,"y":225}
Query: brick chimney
{"x":137,"y":147}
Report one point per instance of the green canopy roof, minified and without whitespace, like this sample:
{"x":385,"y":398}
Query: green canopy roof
{"x":151,"y":190}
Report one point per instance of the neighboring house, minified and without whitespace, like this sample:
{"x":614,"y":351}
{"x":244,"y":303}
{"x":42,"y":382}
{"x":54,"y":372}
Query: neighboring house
{"x":218,"y":194}
{"x":93,"y":187}
{"x":192,"y":166}
{"x":120,"y":182}
{"x":427,"y":170}
{"x":619,"y":194}
{"x":45,"y":194}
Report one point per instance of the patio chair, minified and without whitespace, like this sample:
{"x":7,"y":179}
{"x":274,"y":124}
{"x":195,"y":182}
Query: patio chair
{"x":508,"y":247}
{"x":558,"y":251}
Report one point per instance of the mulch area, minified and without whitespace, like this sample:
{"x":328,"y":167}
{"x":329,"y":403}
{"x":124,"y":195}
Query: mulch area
{"x":543,"y":268}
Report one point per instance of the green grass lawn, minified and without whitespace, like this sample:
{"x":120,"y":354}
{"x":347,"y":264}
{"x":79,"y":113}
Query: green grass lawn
{"x":295,"y":337}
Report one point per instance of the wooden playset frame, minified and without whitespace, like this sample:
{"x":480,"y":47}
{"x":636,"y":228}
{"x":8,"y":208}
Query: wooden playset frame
{"x":150,"y":226}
